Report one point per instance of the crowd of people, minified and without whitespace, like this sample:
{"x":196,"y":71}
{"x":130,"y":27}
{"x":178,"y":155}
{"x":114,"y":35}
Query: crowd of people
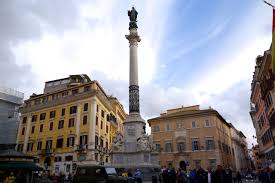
{"x":199,"y":175}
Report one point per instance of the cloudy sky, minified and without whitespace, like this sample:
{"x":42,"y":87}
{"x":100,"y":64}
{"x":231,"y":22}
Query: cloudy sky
{"x":192,"y":51}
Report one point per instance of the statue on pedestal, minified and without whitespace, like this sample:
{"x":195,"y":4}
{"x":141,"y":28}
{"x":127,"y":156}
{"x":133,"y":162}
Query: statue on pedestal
{"x":117,"y":145}
{"x":133,"y":18}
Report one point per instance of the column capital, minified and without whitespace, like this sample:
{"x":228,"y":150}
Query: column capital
{"x":133,"y":37}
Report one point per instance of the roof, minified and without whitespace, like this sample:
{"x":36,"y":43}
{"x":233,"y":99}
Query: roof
{"x":11,"y":153}
{"x":19,"y":165}
{"x":191,"y":113}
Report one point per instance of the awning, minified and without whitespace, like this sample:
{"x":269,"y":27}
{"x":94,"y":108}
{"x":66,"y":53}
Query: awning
{"x":19,"y":165}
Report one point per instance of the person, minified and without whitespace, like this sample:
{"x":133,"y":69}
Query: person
{"x":210,"y":175}
{"x":265,"y":176}
{"x":219,"y":175}
{"x":201,"y":175}
{"x":10,"y":178}
{"x":20,"y":178}
{"x":234,"y":176}
{"x":239,"y":177}
{"x":165,"y":176}
{"x":193,"y":176}
{"x":172,"y":175}
{"x":138,"y":176}
{"x":124,"y":173}
{"x":228,"y":175}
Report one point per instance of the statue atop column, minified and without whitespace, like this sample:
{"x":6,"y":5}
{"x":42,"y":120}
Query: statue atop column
{"x":133,"y":18}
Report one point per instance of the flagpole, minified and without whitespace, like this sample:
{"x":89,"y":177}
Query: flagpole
{"x":269,"y":4}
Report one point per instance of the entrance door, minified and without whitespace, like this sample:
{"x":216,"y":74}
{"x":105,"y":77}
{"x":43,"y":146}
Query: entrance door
{"x":47,"y":162}
{"x":183,"y":165}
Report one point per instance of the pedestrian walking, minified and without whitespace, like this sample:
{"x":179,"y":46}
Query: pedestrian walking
{"x":234,"y":176}
{"x":219,"y":175}
{"x":210,"y":175}
{"x":138,"y":176}
{"x":239,"y":177}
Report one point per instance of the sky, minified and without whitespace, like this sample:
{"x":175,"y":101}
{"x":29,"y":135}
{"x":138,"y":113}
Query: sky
{"x":191,"y":52}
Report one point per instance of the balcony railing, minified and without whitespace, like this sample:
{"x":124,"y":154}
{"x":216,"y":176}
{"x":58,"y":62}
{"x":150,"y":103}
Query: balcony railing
{"x":46,"y":151}
{"x":82,"y":147}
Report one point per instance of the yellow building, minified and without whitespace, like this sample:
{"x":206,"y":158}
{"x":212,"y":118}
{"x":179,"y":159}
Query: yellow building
{"x":191,"y":136}
{"x":71,"y":122}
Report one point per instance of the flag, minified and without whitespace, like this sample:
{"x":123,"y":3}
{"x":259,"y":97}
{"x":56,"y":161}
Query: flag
{"x":273,"y":43}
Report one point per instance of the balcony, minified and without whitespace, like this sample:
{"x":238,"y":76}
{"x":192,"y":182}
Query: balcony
{"x":82,"y":147}
{"x":46,"y":152}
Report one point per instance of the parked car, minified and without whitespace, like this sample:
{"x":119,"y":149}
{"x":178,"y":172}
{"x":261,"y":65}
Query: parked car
{"x":249,"y":176}
{"x":98,"y":174}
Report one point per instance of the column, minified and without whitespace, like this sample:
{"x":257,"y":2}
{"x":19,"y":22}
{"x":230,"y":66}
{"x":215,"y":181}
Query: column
{"x":27,"y":133}
{"x":78,"y":120}
{"x":92,"y":124}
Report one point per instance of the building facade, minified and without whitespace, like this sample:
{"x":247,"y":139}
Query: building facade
{"x":10,"y":100}
{"x":262,"y":107}
{"x":70,"y":123}
{"x":194,"y":137}
{"x":239,"y":146}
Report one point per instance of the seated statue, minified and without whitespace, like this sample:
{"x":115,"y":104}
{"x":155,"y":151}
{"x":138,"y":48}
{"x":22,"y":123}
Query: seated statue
{"x":117,"y":145}
{"x":143,"y":143}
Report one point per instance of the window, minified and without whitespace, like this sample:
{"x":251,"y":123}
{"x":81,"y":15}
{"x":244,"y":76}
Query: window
{"x":71,"y":122}
{"x":167,"y":126}
{"x":33,"y":128}
{"x":96,"y":140}
{"x":29,"y":146}
{"x":54,"y":97}
{"x":83,"y":139}
{"x":49,"y":144}
{"x":41,"y":128}
{"x":220,"y":146}
{"x":168,"y":147}
{"x":86,"y":106}
{"x":212,"y":163}
{"x":261,"y":121}
{"x":233,"y":152}
{"x":96,"y":156}
{"x":179,"y":125}
{"x":157,"y":147}
{"x":52,"y":114}
{"x":268,"y":101}
{"x":193,"y":124}
{"x":223,"y":147}
{"x":209,"y":144}
{"x":86,"y":88}
{"x":106,"y":145}
{"x":64,"y":94}
{"x":70,"y":142}
{"x":24,"y":120}
{"x":39,"y":145}
{"x":101,"y":142}
{"x":195,"y":145}
{"x":107,"y":129}
{"x":63,"y":112}
{"x":44,"y":99}
{"x":58,"y":159}
{"x":51,"y":126}
{"x":197,"y":163}
{"x":101,"y":125}
{"x":60,"y":124}
{"x":23,"y":131}
{"x":42,"y":116}
{"x":34,"y":118}
{"x":97,"y":108}
{"x":155,"y":128}
{"x":75,"y":91}
{"x":102,"y":114}
{"x":206,"y":124}
{"x":59,"y":143}
{"x":20,"y":147}
{"x":96,"y":120}
{"x":68,"y":158}
{"x":180,"y":146}
{"x":85,"y":119}
{"x":73,"y":109}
